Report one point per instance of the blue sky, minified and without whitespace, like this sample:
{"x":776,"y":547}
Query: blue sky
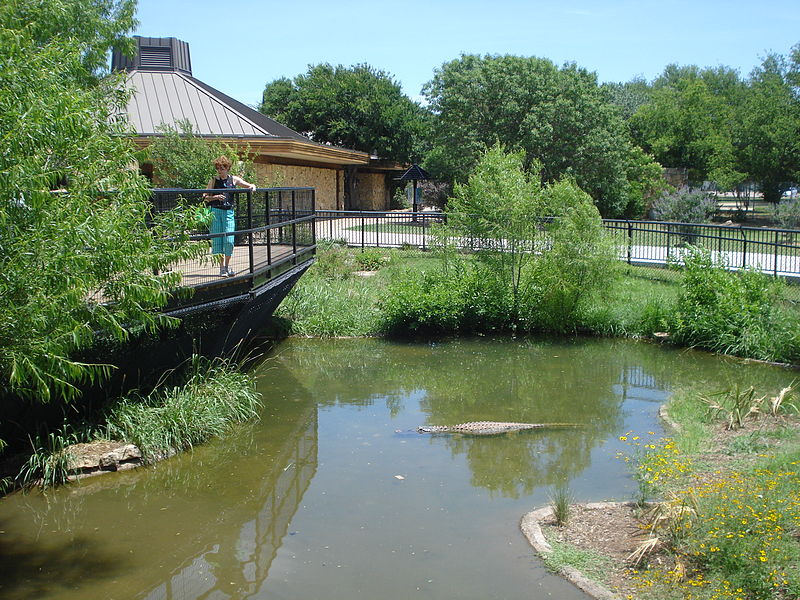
{"x":237,"y":46}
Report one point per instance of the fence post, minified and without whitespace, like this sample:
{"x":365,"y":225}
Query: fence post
{"x":775,"y":263}
{"x":363,"y":226}
{"x":630,"y":239}
{"x":250,"y":227}
{"x":669,"y":239}
{"x":744,"y":248}
{"x":268,"y":231}
{"x":314,"y":222}
{"x":294,"y":228}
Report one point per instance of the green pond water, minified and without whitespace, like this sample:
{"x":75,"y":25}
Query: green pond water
{"x":333,"y":495}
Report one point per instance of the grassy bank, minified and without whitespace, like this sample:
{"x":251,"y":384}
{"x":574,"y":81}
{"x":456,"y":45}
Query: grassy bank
{"x":728,"y":524}
{"x":192,"y":405}
{"x":411,"y":292}
{"x":718,"y":513}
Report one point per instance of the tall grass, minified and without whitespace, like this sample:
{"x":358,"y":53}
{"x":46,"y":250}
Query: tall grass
{"x":332,"y":300}
{"x":49,"y":463}
{"x":177,"y":418}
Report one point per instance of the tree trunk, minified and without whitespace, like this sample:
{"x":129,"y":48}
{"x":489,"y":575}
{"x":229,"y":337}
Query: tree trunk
{"x":351,"y":199}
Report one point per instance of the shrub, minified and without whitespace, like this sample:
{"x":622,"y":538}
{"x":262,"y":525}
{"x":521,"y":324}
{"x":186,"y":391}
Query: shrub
{"x":732,"y":312}
{"x":372,"y":259}
{"x":787,"y":213}
{"x":425,"y":303}
{"x":684,"y":206}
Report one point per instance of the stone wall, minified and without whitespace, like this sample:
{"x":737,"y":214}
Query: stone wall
{"x":372,"y":192}
{"x":324,"y":180}
{"x":677,"y":177}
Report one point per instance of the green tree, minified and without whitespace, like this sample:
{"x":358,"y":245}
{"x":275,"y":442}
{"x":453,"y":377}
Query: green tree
{"x":769,"y":127}
{"x":559,"y":117}
{"x":81,"y":262}
{"x":500,"y":206}
{"x":628,"y":96}
{"x":356,"y":107}
{"x":96,"y":24}
{"x":544,"y":244}
{"x":688,"y":122}
{"x":184,"y":160}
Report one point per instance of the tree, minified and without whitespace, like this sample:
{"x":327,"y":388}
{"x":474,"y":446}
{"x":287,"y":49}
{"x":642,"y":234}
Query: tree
{"x":545,"y":244}
{"x":560,"y":118}
{"x":629,"y":96}
{"x":769,"y":126}
{"x":688,"y":122}
{"x":356,"y":107}
{"x":184,"y":160}
{"x":78,"y":263}
{"x":96,"y":25}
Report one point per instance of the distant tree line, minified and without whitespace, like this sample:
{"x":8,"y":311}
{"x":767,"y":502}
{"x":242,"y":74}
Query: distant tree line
{"x":612,"y":140}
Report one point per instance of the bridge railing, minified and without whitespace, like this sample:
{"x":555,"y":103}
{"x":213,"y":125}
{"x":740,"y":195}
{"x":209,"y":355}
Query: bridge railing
{"x":274,"y":231}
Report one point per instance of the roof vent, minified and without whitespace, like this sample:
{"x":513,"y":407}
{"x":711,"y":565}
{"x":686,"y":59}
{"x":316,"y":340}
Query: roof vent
{"x":155,"y":54}
{"x":157,"y":57}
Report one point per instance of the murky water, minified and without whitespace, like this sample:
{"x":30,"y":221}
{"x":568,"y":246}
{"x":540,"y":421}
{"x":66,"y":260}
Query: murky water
{"x":334,"y":496}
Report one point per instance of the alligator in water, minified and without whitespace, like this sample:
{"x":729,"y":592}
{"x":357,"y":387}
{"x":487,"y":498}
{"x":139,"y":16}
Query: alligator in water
{"x":490,"y":427}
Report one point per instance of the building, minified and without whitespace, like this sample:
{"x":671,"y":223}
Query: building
{"x":164,"y":92}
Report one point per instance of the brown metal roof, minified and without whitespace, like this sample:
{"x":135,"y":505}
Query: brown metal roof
{"x":166,"y":97}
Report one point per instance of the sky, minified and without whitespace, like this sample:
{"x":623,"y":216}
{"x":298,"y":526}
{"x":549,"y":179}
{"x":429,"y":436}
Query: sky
{"x":238,"y":46}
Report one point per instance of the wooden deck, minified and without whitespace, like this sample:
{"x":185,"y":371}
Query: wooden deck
{"x":205,"y":270}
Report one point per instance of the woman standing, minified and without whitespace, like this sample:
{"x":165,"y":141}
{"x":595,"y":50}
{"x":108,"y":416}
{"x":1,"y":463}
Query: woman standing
{"x":223,"y":213}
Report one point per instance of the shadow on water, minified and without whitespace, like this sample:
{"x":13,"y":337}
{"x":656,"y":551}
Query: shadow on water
{"x":35,"y":568}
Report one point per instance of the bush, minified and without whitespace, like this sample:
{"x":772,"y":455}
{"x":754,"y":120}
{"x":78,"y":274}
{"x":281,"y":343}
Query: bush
{"x":732,"y":312}
{"x":425,"y":303}
{"x":787,"y":213}
{"x":532,"y":272}
{"x":372,"y":259}
{"x":684,"y":206}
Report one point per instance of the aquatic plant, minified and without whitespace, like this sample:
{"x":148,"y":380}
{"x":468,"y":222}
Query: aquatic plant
{"x":49,"y":463}
{"x":180,"y":417}
{"x":560,"y":502}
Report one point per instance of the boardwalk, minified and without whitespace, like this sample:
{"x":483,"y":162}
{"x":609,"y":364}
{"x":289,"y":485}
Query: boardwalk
{"x":205,"y":270}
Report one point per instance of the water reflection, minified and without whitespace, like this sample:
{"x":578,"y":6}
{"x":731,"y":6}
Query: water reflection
{"x":189,"y":529}
{"x":246,"y":517}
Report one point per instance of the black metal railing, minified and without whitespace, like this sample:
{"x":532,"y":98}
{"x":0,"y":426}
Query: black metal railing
{"x":773,"y":251}
{"x":274,"y":230}
{"x":770,"y":250}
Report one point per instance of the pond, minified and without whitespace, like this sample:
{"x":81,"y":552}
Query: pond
{"x":334,"y":495}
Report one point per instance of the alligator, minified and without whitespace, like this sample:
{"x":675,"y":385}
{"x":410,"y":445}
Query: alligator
{"x":490,"y":427}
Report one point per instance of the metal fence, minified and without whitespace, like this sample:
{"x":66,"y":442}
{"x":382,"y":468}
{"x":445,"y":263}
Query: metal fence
{"x":274,"y":230}
{"x":654,"y":243}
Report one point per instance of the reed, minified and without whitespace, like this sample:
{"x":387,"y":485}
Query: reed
{"x":49,"y":462}
{"x":177,"y":418}
{"x":561,"y":502}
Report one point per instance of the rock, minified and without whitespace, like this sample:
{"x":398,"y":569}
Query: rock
{"x":112,"y":459}
{"x":103,"y":456}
